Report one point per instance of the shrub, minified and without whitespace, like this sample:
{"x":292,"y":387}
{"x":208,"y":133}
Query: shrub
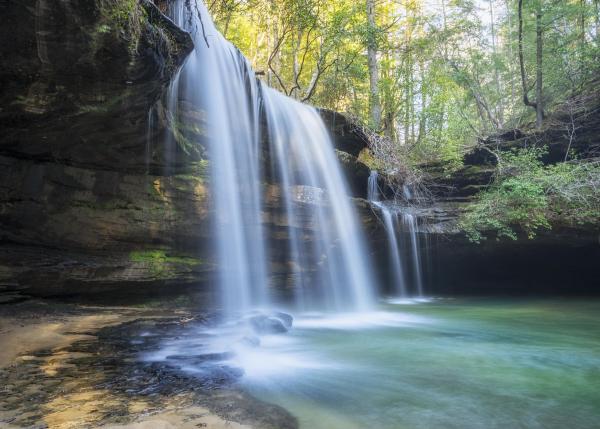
{"x":527,"y":196}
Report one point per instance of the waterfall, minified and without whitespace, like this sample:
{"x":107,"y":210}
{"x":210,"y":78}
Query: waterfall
{"x":390,"y":220}
{"x":304,"y":155}
{"x":172,"y":110}
{"x":410,"y":224}
{"x":219,"y":83}
{"x":373,"y":187}
{"x":397,"y":220}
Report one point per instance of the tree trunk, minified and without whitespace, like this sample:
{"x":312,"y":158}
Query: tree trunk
{"x":373,"y":66}
{"x":510,"y":55}
{"x":582,"y":24}
{"x":295,"y":89}
{"x":500,"y":108}
{"x":597,"y":19}
{"x":537,"y":105}
{"x":408,"y":75}
{"x":539,"y":95}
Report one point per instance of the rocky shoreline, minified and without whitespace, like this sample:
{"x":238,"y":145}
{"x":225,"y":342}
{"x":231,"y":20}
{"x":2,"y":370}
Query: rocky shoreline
{"x":72,"y":366}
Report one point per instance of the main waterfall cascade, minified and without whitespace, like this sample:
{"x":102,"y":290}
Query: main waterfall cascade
{"x":396,"y":220}
{"x":219,"y":82}
{"x":304,"y":155}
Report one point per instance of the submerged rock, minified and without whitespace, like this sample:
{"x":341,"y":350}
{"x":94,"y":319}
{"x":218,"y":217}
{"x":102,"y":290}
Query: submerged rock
{"x":205,"y":357}
{"x":250,"y":341}
{"x":276,"y":323}
{"x":287,"y":319}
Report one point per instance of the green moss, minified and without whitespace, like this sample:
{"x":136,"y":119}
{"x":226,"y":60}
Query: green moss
{"x":161,"y":257}
{"x":124,"y":18}
{"x":163,"y":265}
{"x":201,"y":167}
{"x":122,"y":12}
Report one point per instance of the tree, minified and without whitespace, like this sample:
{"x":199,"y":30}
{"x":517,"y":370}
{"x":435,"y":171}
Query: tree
{"x":374,"y":103}
{"x":432,"y":76}
{"x":538,"y":103}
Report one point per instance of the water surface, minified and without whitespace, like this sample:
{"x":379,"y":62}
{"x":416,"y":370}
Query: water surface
{"x":440,"y":364}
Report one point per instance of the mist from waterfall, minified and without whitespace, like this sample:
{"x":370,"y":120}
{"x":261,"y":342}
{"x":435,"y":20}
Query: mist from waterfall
{"x":397,"y":221}
{"x":219,"y":82}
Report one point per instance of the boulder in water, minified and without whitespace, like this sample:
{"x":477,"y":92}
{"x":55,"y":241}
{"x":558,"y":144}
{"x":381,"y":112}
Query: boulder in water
{"x":276,"y":323}
{"x":285,"y":318}
{"x":202,"y":358}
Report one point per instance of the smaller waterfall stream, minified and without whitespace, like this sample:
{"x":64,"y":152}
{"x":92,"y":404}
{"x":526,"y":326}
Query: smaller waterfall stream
{"x":390,"y":220}
{"x":398,"y":221}
{"x":410,"y":224}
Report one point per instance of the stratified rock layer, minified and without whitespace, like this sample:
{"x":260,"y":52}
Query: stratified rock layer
{"x":84,"y":200}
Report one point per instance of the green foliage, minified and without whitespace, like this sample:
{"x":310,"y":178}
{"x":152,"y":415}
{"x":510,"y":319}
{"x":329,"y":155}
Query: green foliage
{"x":446,"y":74}
{"x":120,"y":15}
{"x":573,"y":189}
{"x":528,"y":196}
{"x":121,"y":11}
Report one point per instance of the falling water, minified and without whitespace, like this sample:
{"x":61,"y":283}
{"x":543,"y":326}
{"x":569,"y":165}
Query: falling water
{"x":173,"y":116}
{"x":397,"y":220}
{"x":218,"y":81}
{"x":373,"y":187}
{"x":304,"y":155}
{"x":410,"y":224}
{"x":390,"y":219}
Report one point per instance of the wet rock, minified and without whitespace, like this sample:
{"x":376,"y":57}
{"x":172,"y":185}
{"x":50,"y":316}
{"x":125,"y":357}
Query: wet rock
{"x":263,"y":325}
{"x":201,"y":358}
{"x":108,"y":385}
{"x":11,"y":298}
{"x":285,"y":318}
{"x":356,"y":173}
{"x":347,"y":136}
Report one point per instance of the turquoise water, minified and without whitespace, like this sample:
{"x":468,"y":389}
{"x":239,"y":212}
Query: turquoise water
{"x":443,"y":364}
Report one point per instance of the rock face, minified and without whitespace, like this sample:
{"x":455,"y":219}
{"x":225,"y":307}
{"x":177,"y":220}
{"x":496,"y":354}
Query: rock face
{"x":347,"y":137}
{"x":85,"y":201}
{"x":562,"y":261}
{"x":78,"y":79}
